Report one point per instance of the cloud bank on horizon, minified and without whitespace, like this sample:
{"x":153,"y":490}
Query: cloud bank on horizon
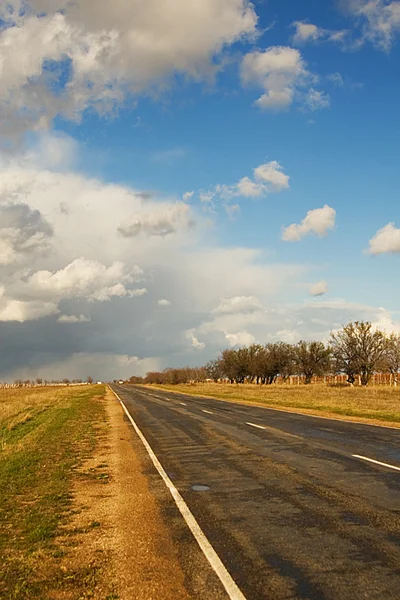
{"x":136,"y":229}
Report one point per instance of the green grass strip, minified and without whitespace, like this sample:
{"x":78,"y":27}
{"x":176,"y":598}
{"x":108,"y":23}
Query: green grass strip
{"x":36,"y":466}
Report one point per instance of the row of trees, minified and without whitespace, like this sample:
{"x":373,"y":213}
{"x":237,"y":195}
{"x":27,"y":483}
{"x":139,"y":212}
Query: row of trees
{"x":357,"y":350}
{"x":174,"y":376}
{"x":39,"y":381}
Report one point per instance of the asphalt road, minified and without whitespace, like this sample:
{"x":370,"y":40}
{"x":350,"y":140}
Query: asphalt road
{"x":284,"y":501}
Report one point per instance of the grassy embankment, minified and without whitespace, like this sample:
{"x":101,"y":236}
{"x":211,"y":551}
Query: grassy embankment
{"x":380,"y":404}
{"x":45,"y":434}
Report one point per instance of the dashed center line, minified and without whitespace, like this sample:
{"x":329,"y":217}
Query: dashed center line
{"x":359,"y":456}
{"x":254,"y":425}
{"x":376,"y":462}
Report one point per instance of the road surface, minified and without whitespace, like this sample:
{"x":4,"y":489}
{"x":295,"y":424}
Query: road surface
{"x":290,"y":503}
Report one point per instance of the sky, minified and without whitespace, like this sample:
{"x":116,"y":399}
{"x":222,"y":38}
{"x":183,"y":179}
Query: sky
{"x":179,"y":177}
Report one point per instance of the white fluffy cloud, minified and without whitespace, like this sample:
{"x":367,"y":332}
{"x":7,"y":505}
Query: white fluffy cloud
{"x":163,"y":302}
{"x":379,"y":20}
{"x":272,"y":176}
{"x":384,"y":321}
{"x":93,"y":53}
{"x":267,"y":178}
{"x":318,"y":221}
{"x":39,"y":295}
{"x":25,"y":310}
{"x":318,"y":289}
{"x":308,"y":32}
{"x":162,"y":220}
{"x":281,"y":72}
{"x":385,"y":240}
{"x":241,"y":338}
{"x":194,"y":342}
{"x":316,"y":100}
{"x":238,"y":304}
{"x":53,"y":151}
{"x":289,"y":336}
{"x":187,"y":196}
{"x":83,"y":278}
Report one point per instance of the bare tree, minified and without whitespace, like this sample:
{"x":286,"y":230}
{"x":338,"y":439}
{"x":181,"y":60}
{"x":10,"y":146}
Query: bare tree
{"x":89,"y":379}
{"x":234,"y":364}
{"x":312,"y":359}
{"x":345,"y":353}
{"x":213,"y":370}
{"x":154,"y":377}
{"x":134,"y":379}
{"x":257,"y":363}
{"x":391,"y":358}
{"x":269,"y":363}
{"x":358,"y":349}
{"x":283,"y":359}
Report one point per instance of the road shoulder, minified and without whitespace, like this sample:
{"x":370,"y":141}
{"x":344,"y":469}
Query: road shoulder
{"x":139,"y":555}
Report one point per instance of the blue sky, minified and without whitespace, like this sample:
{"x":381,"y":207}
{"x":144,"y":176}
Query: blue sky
{"x":193,"y":98}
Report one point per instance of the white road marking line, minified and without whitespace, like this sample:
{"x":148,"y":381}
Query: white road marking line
{"x":376,"y":462}
{"x":217,"y":565}
{"x":254,"y":425}
{"x":207,"y":411}
{"x":183,"y":403}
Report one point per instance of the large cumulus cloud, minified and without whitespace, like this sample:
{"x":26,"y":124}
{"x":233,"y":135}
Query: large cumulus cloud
{"x":79,"y":298}
{"x":93,"y":54}
{"x":78,"y":285}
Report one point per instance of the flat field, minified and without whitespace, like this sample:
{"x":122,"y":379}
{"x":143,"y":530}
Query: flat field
{"x":45,"y":435}
{"x":375,"y":404}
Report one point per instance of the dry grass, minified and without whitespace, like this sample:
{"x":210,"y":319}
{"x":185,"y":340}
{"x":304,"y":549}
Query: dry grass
{"x":373,"y":404}
{"x":19,"y":406}
{"x":45,"y":434}
{"x":15,"y":400}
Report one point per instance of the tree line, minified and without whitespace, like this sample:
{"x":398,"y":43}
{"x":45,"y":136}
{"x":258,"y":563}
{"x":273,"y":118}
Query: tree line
{"x":357,"y":350}
{"x":40,"y":382}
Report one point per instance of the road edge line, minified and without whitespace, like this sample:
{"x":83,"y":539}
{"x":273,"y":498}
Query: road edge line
{"x":214,"y":560}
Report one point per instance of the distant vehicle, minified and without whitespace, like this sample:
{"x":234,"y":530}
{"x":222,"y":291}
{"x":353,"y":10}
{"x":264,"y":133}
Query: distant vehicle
{"x":99,"y":382}
{"x":120,"y":381}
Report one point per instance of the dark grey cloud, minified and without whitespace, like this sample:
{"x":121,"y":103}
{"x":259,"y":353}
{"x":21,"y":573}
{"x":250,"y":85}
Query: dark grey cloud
{"x":23,"y":230}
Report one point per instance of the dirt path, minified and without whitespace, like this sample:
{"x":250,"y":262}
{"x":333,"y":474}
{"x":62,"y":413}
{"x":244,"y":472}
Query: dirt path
{"x":131,"y":546}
